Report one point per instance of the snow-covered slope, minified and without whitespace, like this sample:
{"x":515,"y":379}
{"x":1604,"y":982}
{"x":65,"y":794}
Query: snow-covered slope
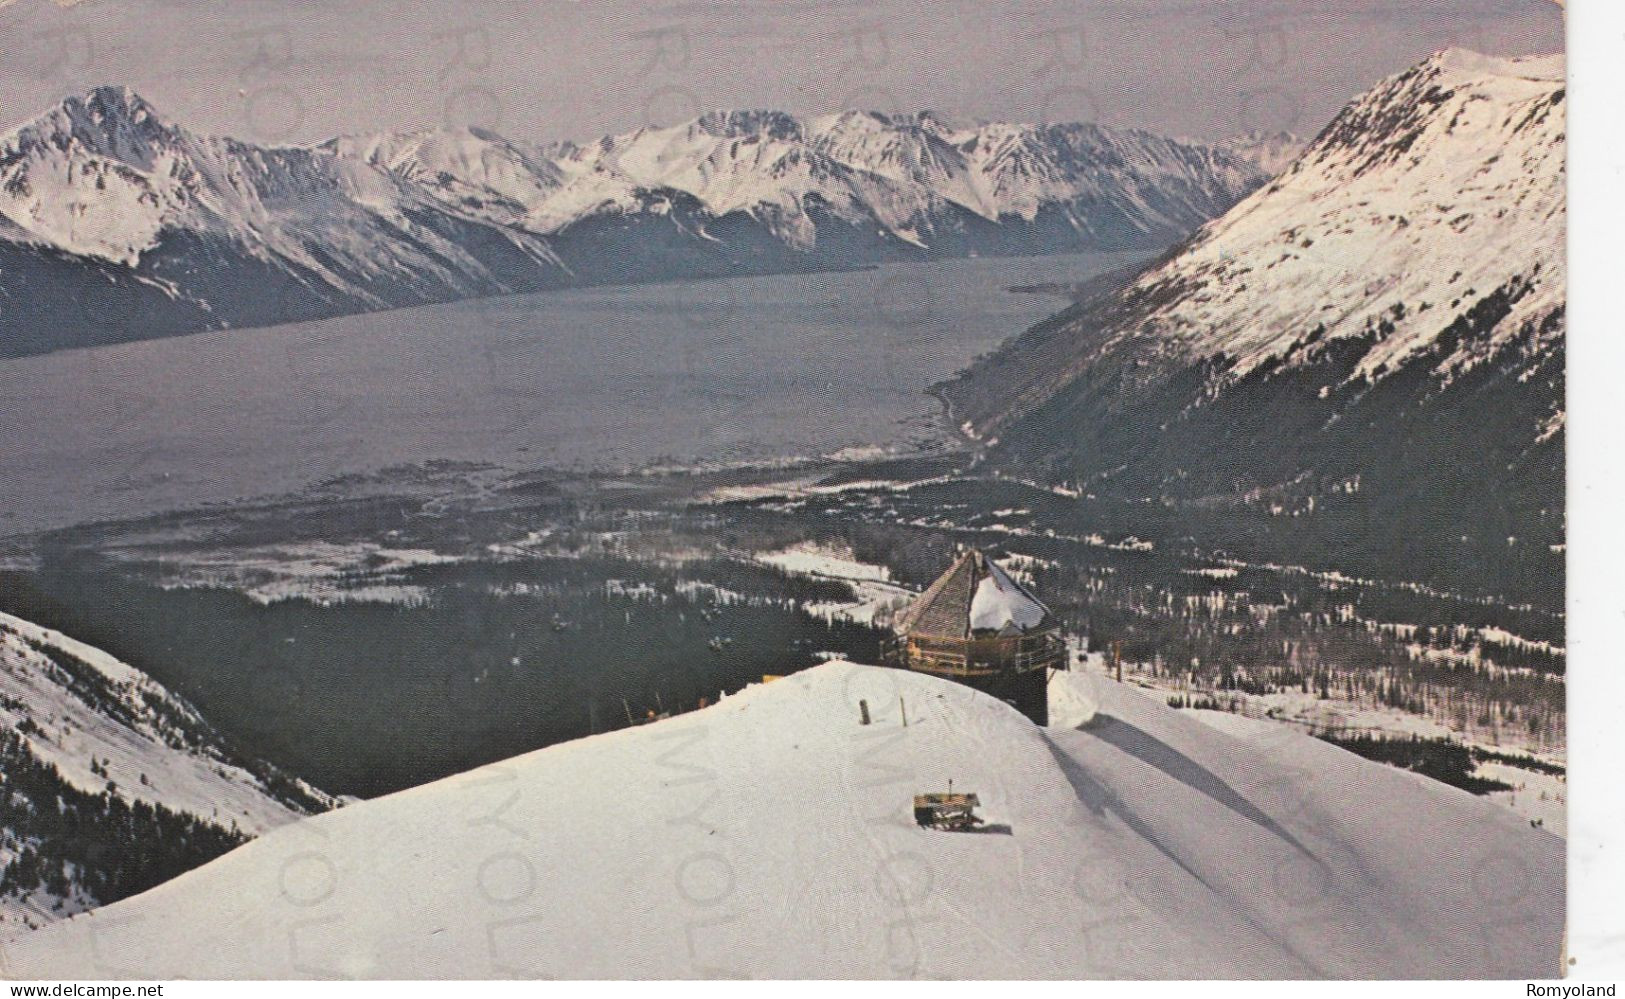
{"x":921,"y":179}
{"x":85,"y":722}
{"x":1439,"y":191}
{"x":1433,"y":192}
{"x":771,"y":836}
{"x":211,"y":232}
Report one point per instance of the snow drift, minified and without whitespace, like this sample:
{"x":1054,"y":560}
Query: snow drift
{"x":770,"y":836}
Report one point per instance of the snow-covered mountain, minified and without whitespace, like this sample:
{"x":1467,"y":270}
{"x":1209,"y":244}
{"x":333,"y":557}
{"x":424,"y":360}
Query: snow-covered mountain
{"x":1385,"y":317}
{"x":771,"y":835}
{"x":918,"y":180}
{"x":149,"y":229}
{"x":135,"y":227}
{"x":1271,"y":152}
{"x":110,"y":783}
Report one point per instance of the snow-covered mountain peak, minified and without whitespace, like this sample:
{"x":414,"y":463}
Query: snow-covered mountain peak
{"x":110,"y":101}
{"x":467,"y":171}
{"x":764,"y":123}
{"x":96,"y":738}
{"x":80,"y":176}
{"x":1387,"y":312}
{"x":1439,"y":189}
{"x":76,"y":704}
{"x":106,"y":121}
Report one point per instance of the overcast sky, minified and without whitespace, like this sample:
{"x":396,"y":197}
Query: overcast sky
{"x":304,"y":70}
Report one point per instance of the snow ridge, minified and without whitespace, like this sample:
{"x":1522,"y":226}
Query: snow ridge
{"x":770,"y":836}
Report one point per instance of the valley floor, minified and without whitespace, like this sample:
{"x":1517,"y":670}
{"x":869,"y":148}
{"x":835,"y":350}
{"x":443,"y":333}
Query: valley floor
{"x":610,"y":596}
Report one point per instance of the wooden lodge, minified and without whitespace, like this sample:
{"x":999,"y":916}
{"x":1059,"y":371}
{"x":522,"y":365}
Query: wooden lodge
{"x":978,"y":626}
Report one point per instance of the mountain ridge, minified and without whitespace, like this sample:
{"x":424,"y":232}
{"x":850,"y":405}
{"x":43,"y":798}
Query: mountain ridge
{"x":1378,"y":329}
{"x":201,"y":232}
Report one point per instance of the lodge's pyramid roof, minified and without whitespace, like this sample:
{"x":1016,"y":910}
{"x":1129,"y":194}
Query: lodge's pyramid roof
{"x":974,"y":598}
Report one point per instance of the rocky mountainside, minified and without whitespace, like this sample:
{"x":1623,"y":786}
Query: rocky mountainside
{"x":118,"y":224}
{"x":110,"y":784}
{"x":1370,"y":347}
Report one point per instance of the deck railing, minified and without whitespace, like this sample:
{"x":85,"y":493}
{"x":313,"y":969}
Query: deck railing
{"x":979,"y":656}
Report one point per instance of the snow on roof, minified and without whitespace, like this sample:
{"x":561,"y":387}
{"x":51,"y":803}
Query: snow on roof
{"x":1003,"y":605}
{"x":974,"y":595}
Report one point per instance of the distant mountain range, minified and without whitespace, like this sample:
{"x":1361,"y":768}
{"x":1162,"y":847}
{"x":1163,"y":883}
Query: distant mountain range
{"x":118,"y":224}
{"x":1367,"y":352}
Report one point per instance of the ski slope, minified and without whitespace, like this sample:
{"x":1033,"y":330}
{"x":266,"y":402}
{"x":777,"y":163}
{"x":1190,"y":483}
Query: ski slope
{"x":770,"y":835}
